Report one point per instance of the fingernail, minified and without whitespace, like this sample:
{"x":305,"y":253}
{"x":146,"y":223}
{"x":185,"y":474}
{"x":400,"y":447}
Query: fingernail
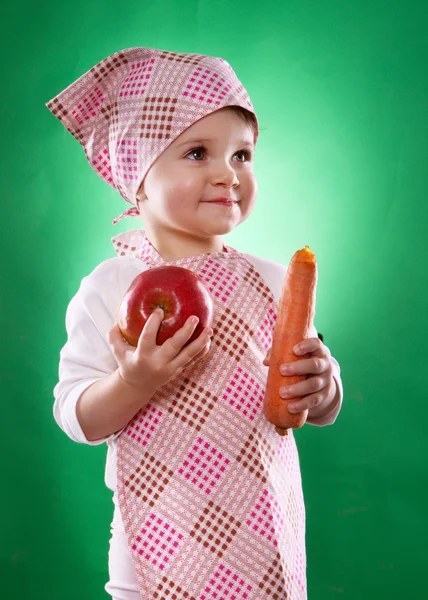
{"x":209,"y":331}
{"x":297,"y":349}
{"x":284,"y":392}
{"x":292,"y":408}
{"x":284,"y":370}
{"x":194,"y":320}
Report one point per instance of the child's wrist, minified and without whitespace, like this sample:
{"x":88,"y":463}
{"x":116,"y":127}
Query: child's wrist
{"x":140,"y":390}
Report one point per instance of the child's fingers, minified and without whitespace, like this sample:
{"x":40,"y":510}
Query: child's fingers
{"x":311,"y":385}
{"x":200,"y":355}
{"x":118,"y":344}
{"x":306,"y":403}
{"x":305,"y":366}
{"x":190,"y":353}
{"x":150,"y":330}
{"x":174,"y":345}
{"x":311,"y":345}
{"x":267,"y":358}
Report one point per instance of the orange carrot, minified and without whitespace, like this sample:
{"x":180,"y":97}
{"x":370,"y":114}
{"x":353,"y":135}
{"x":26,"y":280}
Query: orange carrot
{"x":295,"y":319}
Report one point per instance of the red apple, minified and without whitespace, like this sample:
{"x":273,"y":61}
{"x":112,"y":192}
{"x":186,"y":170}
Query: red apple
{"x":179,"y":292}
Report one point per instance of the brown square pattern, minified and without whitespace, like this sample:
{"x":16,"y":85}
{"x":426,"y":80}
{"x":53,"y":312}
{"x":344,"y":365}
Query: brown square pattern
{"x":256,"y":281}
{"x":170,"y":590}
{"x":248,"y":456}
{"x":272,"y":584}
{"x":215,"y":529}
{"x":231,"y":336}
{"x":193,"y":412}
{"x":157,"y":114}
{"x":182,"y":58}
{"x":149,"y":479}
{"x":107,"y":66}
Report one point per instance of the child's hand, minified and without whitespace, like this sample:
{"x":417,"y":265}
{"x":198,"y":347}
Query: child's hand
{"x":318,"y":391}
{"x":149,"y":366}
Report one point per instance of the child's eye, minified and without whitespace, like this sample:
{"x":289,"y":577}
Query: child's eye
{"x":196,"y":152}
{"x":199,"y":154}
{"x":245,"y":154}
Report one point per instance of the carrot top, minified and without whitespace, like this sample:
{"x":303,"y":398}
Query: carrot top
{"x":305,"y":255}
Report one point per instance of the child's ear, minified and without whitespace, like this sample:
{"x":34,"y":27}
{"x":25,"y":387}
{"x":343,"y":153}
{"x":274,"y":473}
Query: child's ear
{"x":141,"y":196}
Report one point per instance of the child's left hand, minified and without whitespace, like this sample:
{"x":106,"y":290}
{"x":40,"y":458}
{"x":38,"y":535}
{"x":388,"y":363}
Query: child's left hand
{"x":318,"y":391}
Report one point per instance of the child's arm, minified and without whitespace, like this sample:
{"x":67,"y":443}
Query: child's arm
{"x":107,"y":406}
{"x":103,"y":382}
{"x":110,"y":403}
{"x":86,"y":358}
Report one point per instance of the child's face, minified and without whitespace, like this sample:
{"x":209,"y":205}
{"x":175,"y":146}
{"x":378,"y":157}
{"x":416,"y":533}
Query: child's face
{"x":212,"y":159}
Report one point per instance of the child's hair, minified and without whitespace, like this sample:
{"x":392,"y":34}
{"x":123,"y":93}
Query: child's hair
{"x":247,"y":116}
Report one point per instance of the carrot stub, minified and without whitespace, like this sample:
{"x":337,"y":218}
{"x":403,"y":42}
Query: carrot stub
{"x":294,"y":322}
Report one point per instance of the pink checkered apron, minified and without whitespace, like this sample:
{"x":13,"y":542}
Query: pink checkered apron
{"x":209,"y":493}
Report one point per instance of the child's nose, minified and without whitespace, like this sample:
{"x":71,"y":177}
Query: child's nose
{"x":225,"y":175}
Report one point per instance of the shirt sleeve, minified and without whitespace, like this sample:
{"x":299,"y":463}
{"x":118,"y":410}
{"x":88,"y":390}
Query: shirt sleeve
{"x":86,"y":357}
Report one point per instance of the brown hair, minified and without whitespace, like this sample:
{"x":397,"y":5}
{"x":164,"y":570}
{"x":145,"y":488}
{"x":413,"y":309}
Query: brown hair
{"x":247,"y":116}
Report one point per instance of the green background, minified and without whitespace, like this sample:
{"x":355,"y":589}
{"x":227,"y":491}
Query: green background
{"x":340,"y":89}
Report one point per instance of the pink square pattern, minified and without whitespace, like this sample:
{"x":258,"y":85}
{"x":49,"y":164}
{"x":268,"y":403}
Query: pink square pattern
{"x":88,"y":107}
{"x":101,"y":165}
{"x":227,"y":584}
{"x":126,"y":166}
{"x":278,"y":515}
{"x":300,"y":573}
{"x":288,"y":456}
{"x":160,"y":541}
{"x":204,"y":466}
{"x":265,"y":332}
{"x":260,"y":519}
{"x":206,"y":86}
{"x":221,"y":282}
{"x":136,"y":82}
{"x":244,"y":393}
{"x":142,"y":428}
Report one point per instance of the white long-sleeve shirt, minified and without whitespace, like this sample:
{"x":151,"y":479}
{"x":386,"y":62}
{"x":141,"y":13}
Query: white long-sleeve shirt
{"x":86,"y":357}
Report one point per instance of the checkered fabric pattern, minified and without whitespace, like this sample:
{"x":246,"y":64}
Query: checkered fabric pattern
{"x":126,"y":110}
{"x":209,"y":493}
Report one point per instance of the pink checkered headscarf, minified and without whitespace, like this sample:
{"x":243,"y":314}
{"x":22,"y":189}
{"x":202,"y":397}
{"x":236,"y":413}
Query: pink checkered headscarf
{"x":126,"y":110}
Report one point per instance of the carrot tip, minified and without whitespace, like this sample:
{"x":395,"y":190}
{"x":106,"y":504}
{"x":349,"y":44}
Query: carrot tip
{"x":281,"y":431}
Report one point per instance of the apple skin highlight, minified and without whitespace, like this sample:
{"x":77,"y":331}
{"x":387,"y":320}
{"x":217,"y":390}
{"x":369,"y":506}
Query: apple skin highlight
{"x":180,"y":292}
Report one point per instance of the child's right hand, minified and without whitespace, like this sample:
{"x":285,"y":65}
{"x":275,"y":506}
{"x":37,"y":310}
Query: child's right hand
{"x":149,"y":366}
